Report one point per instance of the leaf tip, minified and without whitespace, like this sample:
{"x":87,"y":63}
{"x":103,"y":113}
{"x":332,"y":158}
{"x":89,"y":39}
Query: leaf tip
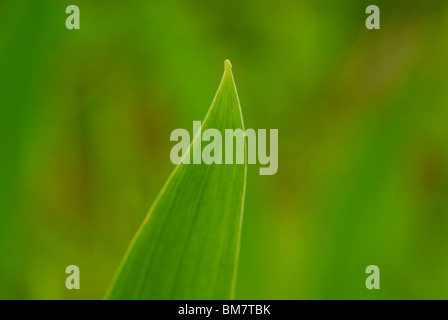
{"x":227,"y":64}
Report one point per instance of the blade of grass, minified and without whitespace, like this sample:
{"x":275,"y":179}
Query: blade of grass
{"x":187,"y":246}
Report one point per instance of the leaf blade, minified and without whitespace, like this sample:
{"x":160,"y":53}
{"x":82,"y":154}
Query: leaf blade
{"x":187,"y":246}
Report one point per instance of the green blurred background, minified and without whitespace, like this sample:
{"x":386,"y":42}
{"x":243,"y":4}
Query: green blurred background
{"x":86,"y":115}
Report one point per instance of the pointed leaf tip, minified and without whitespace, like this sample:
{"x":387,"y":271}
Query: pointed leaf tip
{"x":228,"y":64}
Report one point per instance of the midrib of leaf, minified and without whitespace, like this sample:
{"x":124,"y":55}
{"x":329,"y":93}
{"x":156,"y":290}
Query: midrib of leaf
{"x":202,"y":263}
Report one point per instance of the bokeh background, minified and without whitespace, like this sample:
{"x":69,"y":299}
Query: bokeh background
{"x":86,"y":115}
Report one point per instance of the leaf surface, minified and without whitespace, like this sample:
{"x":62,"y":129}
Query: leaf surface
{"x":187,"y":246}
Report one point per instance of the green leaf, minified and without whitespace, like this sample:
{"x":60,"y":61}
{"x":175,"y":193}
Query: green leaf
{"x":187,"y":246}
